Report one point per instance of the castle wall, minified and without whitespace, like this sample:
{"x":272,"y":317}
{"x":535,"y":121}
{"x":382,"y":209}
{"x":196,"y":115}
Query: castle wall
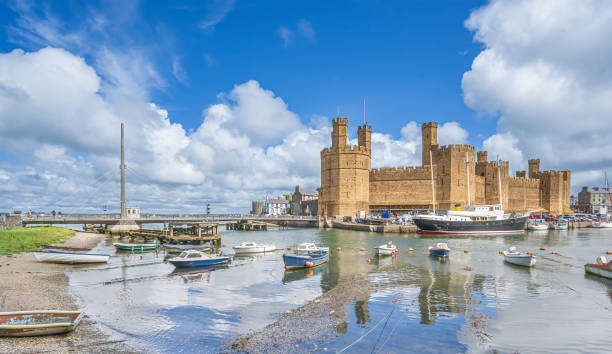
{"x":400,"y":188}
{"x":349,"y":186}
{"x":523,"y":194}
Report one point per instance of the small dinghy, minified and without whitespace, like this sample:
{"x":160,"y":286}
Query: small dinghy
{"x":51,"y":256}
{"x":38,"y":323}
{"x":308,"y":247}
{"x":386,"y":250}
{"x":310,"y":260}
{"x":559,"y":226}
{"x":601,"y":267}
{"x":513,"y":256}
{"x":135,"y":246}
{"x":252,"y":247}
{"x":193,"y":258}
{"x":440,"y":249}
{"x":537,"y":226}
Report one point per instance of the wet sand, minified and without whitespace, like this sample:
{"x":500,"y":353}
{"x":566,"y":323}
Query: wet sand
{"x":26,"y":284}
{"x":310,"y":326}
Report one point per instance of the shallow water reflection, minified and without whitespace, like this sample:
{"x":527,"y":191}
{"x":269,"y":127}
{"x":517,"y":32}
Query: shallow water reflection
{"x":466,"y":302}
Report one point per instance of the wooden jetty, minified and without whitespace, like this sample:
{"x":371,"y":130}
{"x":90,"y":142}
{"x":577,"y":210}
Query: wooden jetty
{"x":188,"y":233}
{"x":247,"y":225}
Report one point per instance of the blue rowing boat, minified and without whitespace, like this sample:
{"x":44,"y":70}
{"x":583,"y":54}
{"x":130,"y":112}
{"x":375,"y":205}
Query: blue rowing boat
{"x":193,"y":258}
{"x":310,"y":260}
{"x":440,"y":249}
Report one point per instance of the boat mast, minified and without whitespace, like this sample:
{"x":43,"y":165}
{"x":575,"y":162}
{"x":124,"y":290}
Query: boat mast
{"x":433,"y":193}
{"x":122,"y":168}
{"x":499,"y":188}
{"x":467,"y":175}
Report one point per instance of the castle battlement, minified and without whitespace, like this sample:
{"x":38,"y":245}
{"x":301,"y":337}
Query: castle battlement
{"x":524,"y":182}
{"x":407,"y":172}
{"x":344,"y":149}
{"x":364,"y":127}
{"x":456,"y":148}
{"x":340,"y":121}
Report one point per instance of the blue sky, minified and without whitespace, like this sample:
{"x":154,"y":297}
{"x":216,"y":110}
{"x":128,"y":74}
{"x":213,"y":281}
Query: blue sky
{"x":406,"y":58}
{"x":229,"y":101}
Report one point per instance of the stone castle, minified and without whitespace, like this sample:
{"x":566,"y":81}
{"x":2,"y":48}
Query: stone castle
{"x":349,"y":185}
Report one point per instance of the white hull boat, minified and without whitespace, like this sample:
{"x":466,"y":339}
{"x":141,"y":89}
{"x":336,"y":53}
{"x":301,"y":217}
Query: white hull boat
{"x":38,"y":323}
{"x":252,"y":247}
{"x":537,"y":226}
{"x":602,"y":224}
{"x":559,"y":226}
{"x":386,"y":250}
{"x":309,"y":247}
{"x":70,"y":257}
{"x":512,"y":256}
{"x":602,"y":267}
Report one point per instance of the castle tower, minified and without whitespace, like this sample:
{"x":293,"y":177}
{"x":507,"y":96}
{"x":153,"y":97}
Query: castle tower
{"x":483,"y":156}
{"x":339,"y":132}
{"x":364,"y":135}
{"x":429,"y":135}
{"x":345,"y":173}
{"x":534,"y":167}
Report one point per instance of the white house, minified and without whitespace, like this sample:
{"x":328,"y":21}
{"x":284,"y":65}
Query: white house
{"x":277,"y":206}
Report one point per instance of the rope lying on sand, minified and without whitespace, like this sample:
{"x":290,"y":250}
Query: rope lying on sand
{"x":368,"y":332}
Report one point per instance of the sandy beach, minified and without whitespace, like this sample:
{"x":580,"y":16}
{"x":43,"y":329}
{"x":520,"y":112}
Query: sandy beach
{"x":26,"y":284}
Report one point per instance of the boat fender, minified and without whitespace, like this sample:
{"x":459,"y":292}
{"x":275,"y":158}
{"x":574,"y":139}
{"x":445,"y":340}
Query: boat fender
{"x":601,"y":260}
{"x":308,"y":264}
{"x":501,"y":252}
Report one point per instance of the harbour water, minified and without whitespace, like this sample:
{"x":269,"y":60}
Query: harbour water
{"x":470,"y":302}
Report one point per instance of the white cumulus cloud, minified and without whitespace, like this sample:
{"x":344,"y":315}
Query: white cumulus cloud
{"x":545,"y":72}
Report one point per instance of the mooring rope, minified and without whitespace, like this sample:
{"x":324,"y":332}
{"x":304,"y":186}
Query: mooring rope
{"x":368,"y":332}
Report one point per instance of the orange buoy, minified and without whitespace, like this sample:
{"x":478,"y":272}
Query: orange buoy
{"x":310,"y":272}
{"x":609,"y":252}
{"x":501,"y":252}
{"x":308,"y":264}
{"x":411,"y":249}
{"x":224,"y":245}
{"x":288,"y":248}
{"x":362,"y":249}
{"x":542,"y":248}
{"x":369,"y":260}
{"x":465,"y":251}
{"x":554,"y":252}
{"x":529,"y":253}
{"x":338,"y":249}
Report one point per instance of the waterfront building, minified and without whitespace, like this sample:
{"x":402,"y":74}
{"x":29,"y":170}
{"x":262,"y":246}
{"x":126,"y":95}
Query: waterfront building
{"x":277,"y":206}
{"x":595,"y":200}
{"x":304,"y":202}
{"x":350,"y":186}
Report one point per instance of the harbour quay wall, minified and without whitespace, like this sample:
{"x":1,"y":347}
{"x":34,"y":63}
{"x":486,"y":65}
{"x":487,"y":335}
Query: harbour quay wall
{"x":8,"y":221}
